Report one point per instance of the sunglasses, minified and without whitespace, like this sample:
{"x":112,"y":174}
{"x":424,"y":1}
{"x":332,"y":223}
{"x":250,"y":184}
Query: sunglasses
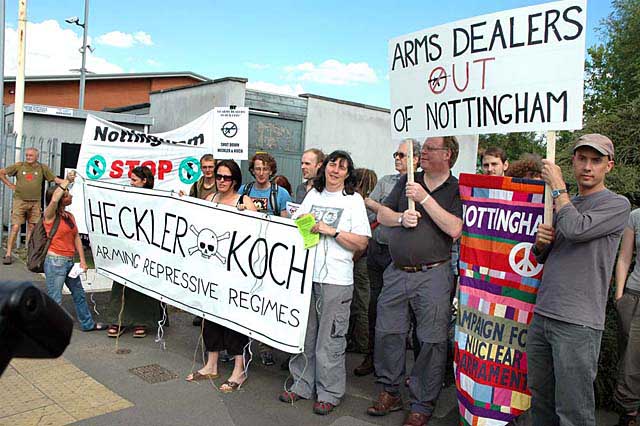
{"x":224,"y":178}
{"x":399,"y":155}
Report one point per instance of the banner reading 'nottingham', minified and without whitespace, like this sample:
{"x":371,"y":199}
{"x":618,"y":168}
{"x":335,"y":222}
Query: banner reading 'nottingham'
{"x":244,"y":270}
{"x":499,"y":280}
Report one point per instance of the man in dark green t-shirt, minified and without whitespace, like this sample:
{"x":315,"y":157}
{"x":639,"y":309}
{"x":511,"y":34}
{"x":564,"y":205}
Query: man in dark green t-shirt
{"x":27,"y":194}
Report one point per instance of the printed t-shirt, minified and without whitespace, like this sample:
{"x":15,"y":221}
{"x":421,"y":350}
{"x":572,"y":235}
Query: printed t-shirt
{"x":262,"y":198}
{"x":334,"y":263}
{"x":29,"y":179}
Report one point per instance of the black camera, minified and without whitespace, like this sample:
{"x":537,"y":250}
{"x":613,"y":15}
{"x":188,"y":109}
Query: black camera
{"x":32,"y":325}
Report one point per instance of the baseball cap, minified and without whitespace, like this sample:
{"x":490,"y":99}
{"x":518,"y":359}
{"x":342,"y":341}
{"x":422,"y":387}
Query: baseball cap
{"x":599,"y":142}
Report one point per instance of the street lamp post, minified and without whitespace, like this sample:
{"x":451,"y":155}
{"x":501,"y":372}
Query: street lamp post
{"x":83,"y":50}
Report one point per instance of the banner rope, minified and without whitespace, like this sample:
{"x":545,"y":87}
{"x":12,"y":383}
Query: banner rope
{"x":120,"y":319}
{"x":160,"y":333}
{"x":306,"y":364}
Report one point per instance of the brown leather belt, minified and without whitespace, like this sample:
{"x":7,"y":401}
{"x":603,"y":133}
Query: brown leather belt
{"x":423,"y":267}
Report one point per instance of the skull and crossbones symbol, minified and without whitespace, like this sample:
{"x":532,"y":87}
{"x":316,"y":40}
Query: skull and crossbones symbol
{"x":208,"y":242}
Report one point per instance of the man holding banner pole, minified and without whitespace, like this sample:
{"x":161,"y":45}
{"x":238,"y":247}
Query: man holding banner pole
{"x":578,"y":252}
{"x":378,"y":257}
{"x":418,"y":277}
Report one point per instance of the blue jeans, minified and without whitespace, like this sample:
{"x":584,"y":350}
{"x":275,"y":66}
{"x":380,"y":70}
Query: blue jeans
{"x":56,"y":271}
{"x":563,"y":362}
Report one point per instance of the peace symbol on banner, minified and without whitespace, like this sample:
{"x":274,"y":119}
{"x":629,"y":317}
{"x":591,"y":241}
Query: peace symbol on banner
{"x":521,"y":261}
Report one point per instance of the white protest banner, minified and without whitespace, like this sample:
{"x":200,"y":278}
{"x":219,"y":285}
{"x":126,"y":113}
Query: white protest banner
{"x":513,"y":71}
{"x":231,"y":133}
{"x":244,"y":270}
{"x":109,"y":152}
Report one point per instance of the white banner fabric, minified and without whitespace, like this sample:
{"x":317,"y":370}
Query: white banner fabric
{"x":109,"y":152}
{"x":513,"y":71}
{"x":243,"y":270}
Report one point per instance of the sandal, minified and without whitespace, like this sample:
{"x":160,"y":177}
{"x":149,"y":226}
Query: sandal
{"x":231,"y":386}
{"x":98,"y":327}
{"x":115,"y":331}
{"x":197,"y":376}
{"x":323,"y":408}
{"x":139,"y":331}
{"x":289,"y":397}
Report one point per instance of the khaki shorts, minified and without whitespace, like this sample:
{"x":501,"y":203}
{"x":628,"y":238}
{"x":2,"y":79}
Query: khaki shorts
{"x":29,"y":210}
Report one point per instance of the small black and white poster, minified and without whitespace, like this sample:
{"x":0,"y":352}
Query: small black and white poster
{"x":231,"y":133}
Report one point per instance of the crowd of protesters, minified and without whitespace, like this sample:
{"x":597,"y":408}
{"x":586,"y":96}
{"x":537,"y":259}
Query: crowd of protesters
{"x":384,"y":273}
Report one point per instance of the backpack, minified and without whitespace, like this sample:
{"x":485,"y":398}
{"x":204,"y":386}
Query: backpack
{"x":273,"y":197}
{"x":39,"y":245}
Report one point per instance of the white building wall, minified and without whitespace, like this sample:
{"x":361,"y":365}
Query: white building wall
{"x":173,"y":108}
{"x":365,"y":133}
{"x":361,"y":131}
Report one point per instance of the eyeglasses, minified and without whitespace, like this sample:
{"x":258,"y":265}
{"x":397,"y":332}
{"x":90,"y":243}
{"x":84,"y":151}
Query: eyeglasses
{"x":261,"y":169}
{"x":399,"y":155}
{"x":224,"y":178}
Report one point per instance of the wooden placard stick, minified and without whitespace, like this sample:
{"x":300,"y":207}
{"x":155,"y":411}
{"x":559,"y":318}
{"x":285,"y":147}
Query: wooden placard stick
{"x":412,"y":204}
{"x":548,"y":200}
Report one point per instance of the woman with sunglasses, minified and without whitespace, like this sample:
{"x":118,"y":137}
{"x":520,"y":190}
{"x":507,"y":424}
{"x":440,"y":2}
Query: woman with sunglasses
{"x":60,"y":255}
{"x":217,"y":337}
{"x":139,"y":311}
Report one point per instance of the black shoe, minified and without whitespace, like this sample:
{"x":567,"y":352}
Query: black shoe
{"x":267,"y":358}
{"x":7,"y":260}
{"x":197,"y":321}
{"x":365,"y":368}
{"x":224,"y":357}
{"x":627,"y":420}
{"x":285,"y":364}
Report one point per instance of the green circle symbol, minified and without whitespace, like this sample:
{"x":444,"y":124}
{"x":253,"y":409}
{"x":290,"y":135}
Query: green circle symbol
{"x":189,"y":170}
{"x":96,"y":166}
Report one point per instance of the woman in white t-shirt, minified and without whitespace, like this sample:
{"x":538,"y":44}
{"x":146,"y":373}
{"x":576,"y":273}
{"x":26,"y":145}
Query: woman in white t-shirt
{"x":341,"y":221}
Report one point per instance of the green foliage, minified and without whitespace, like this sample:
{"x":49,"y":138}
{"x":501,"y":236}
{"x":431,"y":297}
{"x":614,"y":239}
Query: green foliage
{"x":613,"y":70}
{"x":612,"y":107}
{"x":608,"y":361}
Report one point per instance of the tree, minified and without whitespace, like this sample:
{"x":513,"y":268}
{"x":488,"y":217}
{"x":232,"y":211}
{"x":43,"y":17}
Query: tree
{"x":612,"y":107}
{"x":613,"y":69}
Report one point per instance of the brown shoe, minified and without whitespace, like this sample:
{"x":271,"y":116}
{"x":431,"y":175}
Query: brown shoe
{"x":385,"y":404}
{"x":416,"y":419}
{"x":365,"y":368}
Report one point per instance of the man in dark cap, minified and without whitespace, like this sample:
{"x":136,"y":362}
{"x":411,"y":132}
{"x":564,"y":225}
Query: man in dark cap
{"x":578,"y":252}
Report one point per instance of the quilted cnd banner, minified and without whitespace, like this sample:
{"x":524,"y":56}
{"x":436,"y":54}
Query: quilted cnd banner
{"x":499,"y":280}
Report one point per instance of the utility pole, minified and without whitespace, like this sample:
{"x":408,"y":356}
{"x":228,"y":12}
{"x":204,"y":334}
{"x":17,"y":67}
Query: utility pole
{"x":18,"y":112}
{"x":2,"y":9}
{"x":83,"y":69}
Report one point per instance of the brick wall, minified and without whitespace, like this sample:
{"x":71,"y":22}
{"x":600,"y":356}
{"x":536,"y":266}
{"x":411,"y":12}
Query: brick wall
{"x":99,"y":94}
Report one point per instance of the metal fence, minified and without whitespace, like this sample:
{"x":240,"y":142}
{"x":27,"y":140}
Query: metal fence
{"x":49,"y":148}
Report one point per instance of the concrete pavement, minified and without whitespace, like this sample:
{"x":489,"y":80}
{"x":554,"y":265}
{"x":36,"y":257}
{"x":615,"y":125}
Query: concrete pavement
{"x":114,"y":394}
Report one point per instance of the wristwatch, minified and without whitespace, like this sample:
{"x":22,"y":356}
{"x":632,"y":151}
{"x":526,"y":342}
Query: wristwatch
{"x":336,"y":234}
{"x":556,"y":192}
